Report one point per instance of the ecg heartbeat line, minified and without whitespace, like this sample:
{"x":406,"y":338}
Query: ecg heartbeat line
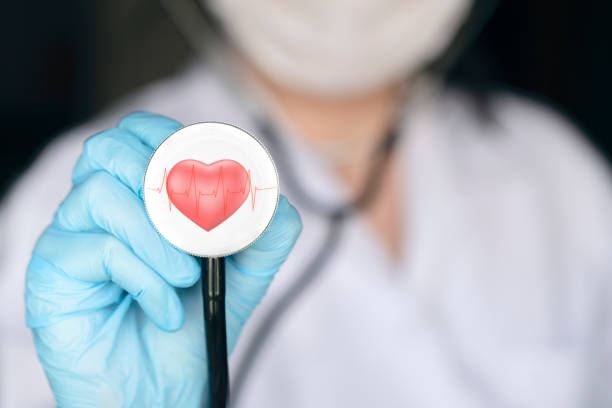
{"x":192,"y":188}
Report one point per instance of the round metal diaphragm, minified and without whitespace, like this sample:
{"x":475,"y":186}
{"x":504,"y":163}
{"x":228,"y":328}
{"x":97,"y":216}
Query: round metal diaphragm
{"x":211,"y":189}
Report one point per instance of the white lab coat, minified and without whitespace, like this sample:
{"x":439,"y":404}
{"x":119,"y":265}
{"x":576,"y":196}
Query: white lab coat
{"x":501,"y":297}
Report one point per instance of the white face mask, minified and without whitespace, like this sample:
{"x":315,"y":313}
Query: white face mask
{"x":340,"y":47}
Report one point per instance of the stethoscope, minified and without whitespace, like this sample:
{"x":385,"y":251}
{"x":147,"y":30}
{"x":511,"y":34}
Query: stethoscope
{"x":185,"y":14}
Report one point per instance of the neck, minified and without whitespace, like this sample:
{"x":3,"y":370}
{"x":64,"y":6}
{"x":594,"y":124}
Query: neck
{"x":325,"y":120}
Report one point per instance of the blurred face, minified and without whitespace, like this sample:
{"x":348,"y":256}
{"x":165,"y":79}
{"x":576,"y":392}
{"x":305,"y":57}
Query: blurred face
{"x":339,"y":48}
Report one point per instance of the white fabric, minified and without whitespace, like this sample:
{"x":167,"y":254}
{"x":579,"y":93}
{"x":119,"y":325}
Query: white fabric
{"x":340,"y":47}
{"x":501,"y":298}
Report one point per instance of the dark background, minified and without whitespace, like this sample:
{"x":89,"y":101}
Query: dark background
{"x":65,"y":61}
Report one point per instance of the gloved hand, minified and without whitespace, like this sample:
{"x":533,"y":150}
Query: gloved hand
{"x":115,"y":309}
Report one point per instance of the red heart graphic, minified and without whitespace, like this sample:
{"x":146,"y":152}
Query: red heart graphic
{"x":208,"y":194}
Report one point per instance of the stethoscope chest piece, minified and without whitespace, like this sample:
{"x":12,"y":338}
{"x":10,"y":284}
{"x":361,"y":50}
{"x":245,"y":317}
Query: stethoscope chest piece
{"x":211,"y":189}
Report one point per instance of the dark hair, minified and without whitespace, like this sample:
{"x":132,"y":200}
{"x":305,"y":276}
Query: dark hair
{"x":465,"y":64}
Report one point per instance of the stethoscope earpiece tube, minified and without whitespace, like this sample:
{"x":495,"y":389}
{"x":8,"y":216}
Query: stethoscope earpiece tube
{"x":336,"y":217}
{"x":213,"y":295}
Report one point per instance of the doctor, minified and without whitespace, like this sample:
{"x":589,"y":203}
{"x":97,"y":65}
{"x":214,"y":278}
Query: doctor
{"x":447,"y":259}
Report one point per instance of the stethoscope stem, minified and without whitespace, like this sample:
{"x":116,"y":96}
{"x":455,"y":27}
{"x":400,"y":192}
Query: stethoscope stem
{"x":213,"y":294}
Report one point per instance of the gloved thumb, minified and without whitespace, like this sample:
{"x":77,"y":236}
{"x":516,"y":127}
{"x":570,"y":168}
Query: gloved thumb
{"x":250,"y":272}
{"x":272,"y":248}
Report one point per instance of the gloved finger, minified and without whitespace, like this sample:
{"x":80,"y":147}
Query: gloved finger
{"x":274,"y":245}
{"x":100,"y":257}
{"x":150,"y":128}
{"x":250,"y":272}
{"x":103,"y":203}
{"x":119,"y":153}
{"x":51,"y":296}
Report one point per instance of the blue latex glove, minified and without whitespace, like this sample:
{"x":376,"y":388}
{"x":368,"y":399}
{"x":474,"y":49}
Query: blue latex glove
{"x":115,"y":309}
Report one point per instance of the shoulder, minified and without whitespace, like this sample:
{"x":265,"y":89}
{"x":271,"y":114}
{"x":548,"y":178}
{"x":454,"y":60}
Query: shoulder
{"x":515,"y":146}
{"x":532,"y":134}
